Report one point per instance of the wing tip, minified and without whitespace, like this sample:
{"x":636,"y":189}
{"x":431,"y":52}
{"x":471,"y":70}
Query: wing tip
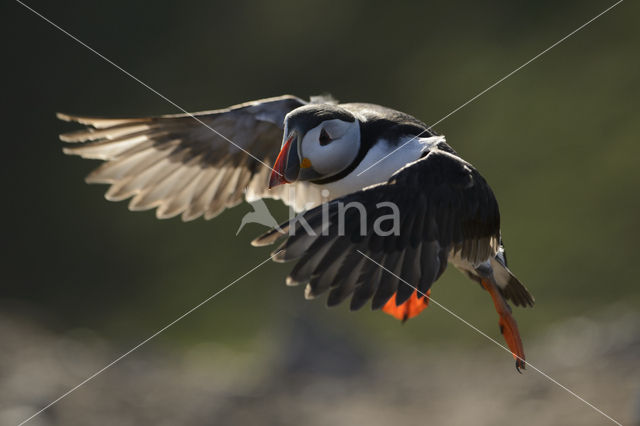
{"x":270,"y":236}
{"x":279,"y":256}
{"x":64,"y":117}
{"x":100,"y":122}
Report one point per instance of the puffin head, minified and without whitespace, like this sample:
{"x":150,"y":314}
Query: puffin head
{"x":319,"y":141}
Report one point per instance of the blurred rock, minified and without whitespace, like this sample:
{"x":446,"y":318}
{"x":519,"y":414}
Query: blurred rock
{"x":311,"y":376}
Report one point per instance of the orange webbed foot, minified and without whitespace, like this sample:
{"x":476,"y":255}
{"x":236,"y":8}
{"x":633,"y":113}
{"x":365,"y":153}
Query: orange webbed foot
{"x":508,"y":325}
{"x":409,"y":309}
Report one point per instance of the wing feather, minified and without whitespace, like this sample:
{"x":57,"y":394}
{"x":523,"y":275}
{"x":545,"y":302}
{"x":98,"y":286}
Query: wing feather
{"x":178,"y":165}
{"x":444,"y":205}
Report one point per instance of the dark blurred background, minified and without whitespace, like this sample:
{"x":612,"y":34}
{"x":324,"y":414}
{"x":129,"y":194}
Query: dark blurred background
{"x":83,"y":279}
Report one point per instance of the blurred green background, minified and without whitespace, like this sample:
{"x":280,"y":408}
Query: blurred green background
{"x":558,"y":142}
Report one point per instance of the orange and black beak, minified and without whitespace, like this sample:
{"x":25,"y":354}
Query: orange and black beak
{"x":287,"y":165}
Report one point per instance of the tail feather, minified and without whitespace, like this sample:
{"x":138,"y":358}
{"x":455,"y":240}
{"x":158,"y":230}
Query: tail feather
{"x":516,"y":292}
{"x":510,"y":287}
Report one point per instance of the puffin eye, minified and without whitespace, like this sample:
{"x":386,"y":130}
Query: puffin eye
{"x":324,"y":139}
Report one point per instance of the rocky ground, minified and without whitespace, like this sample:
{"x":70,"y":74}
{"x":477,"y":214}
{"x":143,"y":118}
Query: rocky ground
{"x":304,"y":377}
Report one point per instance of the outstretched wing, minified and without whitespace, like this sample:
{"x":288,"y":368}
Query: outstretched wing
{"x":444,"y":206}
{"x":179,"y":165}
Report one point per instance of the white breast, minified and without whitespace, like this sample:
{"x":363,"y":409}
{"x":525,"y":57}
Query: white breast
{"x":380,"y":163}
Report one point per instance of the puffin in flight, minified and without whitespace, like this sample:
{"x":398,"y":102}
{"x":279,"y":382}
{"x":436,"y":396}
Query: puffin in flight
{"x":340,"y":162}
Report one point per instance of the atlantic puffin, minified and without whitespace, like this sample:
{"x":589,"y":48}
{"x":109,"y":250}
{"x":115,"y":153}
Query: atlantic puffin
{"x":329,"y":155}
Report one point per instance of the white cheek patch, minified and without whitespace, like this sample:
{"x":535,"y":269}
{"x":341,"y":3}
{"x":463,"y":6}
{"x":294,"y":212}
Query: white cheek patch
{"x":335,"y":156}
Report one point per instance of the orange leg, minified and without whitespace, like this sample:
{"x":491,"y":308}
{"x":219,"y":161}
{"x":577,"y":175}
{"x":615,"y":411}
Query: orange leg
{"x":409,"y":309}
{"x":508,"y":325}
